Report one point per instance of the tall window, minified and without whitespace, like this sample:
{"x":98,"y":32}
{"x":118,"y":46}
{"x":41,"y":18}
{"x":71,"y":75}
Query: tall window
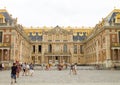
{"x":0,"y":37}
{"x":119,"y":36}
{"x":81,"y":49}
{"x":75,"y":49}
{"x":65,"y":48}
{"x":50,"y":48}
{"x":40,"y":48}
{"x":34,"y":48}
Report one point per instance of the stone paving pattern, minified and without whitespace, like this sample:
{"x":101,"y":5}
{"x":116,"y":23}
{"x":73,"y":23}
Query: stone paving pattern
{"x":55,"y":77}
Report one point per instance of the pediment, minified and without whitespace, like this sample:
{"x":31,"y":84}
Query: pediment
{"x":58,"y":30}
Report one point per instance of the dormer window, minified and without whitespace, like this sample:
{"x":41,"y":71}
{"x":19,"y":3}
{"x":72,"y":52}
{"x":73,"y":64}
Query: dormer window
{"x":117,"y":18}
{"x":2,"y":19}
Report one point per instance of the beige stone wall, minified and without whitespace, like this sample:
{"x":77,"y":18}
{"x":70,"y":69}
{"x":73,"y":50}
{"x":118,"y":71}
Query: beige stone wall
{"x":57,"y":41}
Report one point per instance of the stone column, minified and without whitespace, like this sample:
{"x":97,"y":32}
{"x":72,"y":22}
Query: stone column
{"x":43,"y":55}
{"x":21,"y":51}
{"x":45,"y":60}
{"x":59,"y":59}
{"x":118,"y":54}
{"x":97,"y":51}
{"x":2,"y":55}
{"x":71,"y":59}
{"x":108,"y":55}
{"x":8,"y":50}
{"x":112,"y":54}
{"x":67,"y":59}
{"x":53,"y":59}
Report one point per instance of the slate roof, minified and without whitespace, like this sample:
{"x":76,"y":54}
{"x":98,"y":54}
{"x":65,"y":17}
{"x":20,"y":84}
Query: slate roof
{"x":112,"y":15}
{"x":7,"y":16}
{"x":36,"y":37}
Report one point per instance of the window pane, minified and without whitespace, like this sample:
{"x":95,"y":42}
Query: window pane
{"x":75,"y":49}
{"x":81,"y":49}
{"x":65,"y":48}
{"x":0,"y":36}
{"x":34,"y":48}
{"x":39,"y":48}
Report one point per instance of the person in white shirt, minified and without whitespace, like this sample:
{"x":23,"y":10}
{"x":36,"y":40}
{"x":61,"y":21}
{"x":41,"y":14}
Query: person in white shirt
{"x":75,"y":69}
{"x":3,"y":66}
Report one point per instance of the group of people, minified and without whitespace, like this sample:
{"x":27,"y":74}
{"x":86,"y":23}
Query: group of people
{"x":62,"y":66}
{"x":73,"y":67}
{"x":59,"y":66}
{"x":27,"y":69}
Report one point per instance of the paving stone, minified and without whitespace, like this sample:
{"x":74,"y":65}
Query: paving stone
{"x":55,"y":77}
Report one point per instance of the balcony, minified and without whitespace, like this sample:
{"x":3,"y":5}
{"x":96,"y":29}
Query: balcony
{"x":3,"y":24}
{"x":4,"y":44}
{"x":57,"y":54}
{"x":115,"y":44}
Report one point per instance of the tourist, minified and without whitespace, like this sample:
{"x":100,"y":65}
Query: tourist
{"x":27,"y":70}
{"x":3,"y":66}
{"x":13,"y":73}
{"x":24,"y":68}
{"x":66,"y":66}
{"x":47,"y":67}
{"x":71,"y":69}
{"x":31,"y":69}
{"x":18,"y":70}
{"x":75,"y":68}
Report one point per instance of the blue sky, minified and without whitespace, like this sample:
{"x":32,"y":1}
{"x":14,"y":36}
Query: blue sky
{"x":59,"y":12}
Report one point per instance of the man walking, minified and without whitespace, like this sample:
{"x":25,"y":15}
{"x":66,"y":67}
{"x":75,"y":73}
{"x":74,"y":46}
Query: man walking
{"x":13,"y":73}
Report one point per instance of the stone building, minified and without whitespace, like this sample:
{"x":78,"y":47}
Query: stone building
{"x":14,"y":44}
{"x":102,"y":46}
{"x":43,"y":45}
{"x":57,"y":44}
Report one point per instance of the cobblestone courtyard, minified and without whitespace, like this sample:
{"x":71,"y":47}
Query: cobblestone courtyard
{"x":55,"y":77}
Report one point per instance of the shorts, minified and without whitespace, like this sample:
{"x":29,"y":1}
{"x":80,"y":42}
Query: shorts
{"x":13,"y":76}
{"x":23,"y":70}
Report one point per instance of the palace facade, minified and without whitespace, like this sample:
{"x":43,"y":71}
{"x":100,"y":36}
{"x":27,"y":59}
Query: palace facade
{"x":43,"y":45}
